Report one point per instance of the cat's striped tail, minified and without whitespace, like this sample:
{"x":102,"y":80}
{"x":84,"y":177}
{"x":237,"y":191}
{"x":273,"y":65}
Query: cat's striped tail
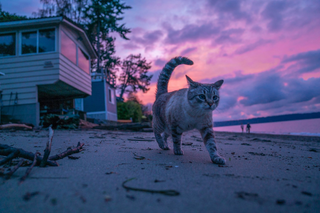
{"x":162,"y":86}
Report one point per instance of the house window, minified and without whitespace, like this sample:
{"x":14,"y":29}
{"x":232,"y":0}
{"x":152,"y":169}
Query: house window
{"x":7,"y":44}
{"x":83,"y":61}
{"x":38,"y":41}
{"x":111,"y":96}
{"x":47,"y":40}
{"x":74,"y":53}
{"x":29,"y":42}
{"x":68,"y":48}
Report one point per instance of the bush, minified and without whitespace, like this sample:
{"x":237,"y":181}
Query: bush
{"x":129,"y":109}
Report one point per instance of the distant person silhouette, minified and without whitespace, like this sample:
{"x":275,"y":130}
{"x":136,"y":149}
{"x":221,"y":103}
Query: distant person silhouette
{"x":248,"y":128}
{"x":242,"y":127}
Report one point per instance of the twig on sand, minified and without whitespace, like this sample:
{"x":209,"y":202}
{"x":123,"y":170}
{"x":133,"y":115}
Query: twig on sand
{"x":9,"y":174}
{"x":10,"y":157}
{"x":30,"y":168}
{"x":138,"y":157}
{"x":48,"y":148}
{"x":69,"y":151}
{"x":165,"y":192}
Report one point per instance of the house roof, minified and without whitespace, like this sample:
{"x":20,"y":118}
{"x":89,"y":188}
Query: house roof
{"x":51,"y":20}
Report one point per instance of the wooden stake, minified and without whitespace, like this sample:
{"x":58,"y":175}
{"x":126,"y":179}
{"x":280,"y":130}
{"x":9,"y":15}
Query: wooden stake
{"x":48,"y":148}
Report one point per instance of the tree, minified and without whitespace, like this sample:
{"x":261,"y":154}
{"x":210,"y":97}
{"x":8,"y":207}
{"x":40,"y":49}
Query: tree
{"x":72,"y":9}
{"x":102,"y":17}
{"x":146,"y":110}
{"x":134,"y":75}
{"x":129,"y":110}
{"x":6,"y":16}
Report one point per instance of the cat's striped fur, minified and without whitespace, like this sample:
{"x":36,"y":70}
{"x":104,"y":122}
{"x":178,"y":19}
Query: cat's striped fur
{"x":185,"y":109}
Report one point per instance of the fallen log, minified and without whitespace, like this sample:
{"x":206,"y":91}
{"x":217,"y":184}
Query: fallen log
{"x":8,"y":126}
{"x":125,"y":126}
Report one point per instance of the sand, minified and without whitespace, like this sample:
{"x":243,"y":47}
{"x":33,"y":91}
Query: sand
{"x":263,"y":173}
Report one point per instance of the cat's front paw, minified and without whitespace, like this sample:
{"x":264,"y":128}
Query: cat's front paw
{"x":178,"y":152}
{"x":165,"y":148}
{"x":218,"y":160}
{"x":177,"y":149}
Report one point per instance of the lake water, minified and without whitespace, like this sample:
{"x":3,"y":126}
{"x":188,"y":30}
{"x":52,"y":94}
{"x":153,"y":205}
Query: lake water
{"x":297,"y":127}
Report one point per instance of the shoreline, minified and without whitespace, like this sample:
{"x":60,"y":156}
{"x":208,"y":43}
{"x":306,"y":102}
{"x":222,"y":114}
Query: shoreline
{"x":269,"y":135}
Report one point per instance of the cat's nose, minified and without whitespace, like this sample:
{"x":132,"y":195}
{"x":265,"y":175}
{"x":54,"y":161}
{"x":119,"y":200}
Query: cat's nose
{"x":210,"y":104}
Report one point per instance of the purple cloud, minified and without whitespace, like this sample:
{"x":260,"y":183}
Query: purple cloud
{"x":265,"y":88}
{"x":188,"y":50}
{"x":148,"y":38}
{"x":191,"y":33}
{"x":230,"y":36}
{"x":155,"y":76}
{"x":304,"y":62}
{"x":160,"y":62}
{"x":229,"y":9}
{"x":273,"y":13}
{"x":252,"y":46}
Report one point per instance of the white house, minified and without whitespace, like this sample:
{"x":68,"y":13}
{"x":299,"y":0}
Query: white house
{"x":46,"y":63}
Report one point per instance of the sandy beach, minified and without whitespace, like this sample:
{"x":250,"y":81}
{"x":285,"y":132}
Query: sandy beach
{"x":263,"y":173}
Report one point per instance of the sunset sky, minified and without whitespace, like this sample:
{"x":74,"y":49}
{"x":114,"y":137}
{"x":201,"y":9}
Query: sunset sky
{"x":268,"y":52}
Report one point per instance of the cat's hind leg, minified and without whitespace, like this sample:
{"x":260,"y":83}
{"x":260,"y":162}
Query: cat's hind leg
{"x":176,"y":139}
{"x":165,"y":136}
{"x":158,"y":128}
{"x":162,"y":144}
{"x":209,"y":141}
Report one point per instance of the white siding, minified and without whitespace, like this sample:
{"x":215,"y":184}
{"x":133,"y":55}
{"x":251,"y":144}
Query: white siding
{"x":74,"y":76}
{"x":23,"y":73}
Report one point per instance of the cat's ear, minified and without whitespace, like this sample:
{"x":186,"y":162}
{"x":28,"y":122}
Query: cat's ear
{"x":218,"y":84}
{"x":191,"y":82}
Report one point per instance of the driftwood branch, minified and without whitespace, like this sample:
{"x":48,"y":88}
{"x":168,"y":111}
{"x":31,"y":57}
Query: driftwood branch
{"x":10,"y":157}
{"x":30,"y":168}
{"x":11,"y":153}
{"x":7,"y":150}
{"x":8,"y":126}
{"x":9,"y":174}
{"x":48,"y":148}
{"x":68,"y":152}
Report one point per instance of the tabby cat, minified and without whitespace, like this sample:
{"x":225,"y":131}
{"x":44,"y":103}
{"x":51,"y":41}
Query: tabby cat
{"x":185,"y":109}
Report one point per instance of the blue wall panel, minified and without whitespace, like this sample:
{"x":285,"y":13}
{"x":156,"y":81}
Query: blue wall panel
{"x":95,"y":102}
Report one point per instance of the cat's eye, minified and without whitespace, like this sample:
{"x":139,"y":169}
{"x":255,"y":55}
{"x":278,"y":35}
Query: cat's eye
{"x":202,"y":96}
{"x":215,"y":98}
